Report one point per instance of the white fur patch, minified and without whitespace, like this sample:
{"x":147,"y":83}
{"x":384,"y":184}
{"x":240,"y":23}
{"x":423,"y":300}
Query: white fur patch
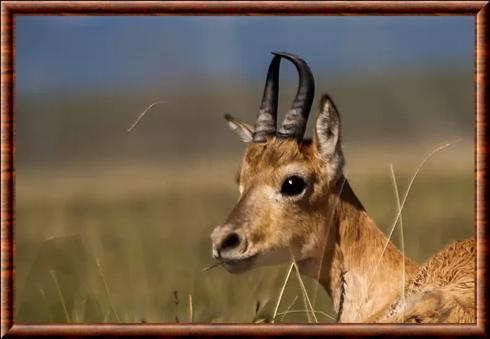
{"x":244,"y":130}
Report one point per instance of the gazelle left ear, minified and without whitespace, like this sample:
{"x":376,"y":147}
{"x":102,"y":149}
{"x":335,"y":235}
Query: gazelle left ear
{"x":244,"y":130}
{"x":327,"y":138}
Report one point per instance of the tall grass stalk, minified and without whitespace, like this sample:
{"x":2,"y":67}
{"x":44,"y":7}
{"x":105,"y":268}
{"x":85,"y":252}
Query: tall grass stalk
{"x":402,"y":238}
{"x":43,"y":294}
{"x":191,"y":315}
{"x":305,"y":294}
{"x":106,"y":289}
{"x":140,"y":116}
{"x":307,"y":312}
{"x":281,"y":293}
{"x":422,"y":163}
{"x":58,"y":289}
{"x":288,"y":308}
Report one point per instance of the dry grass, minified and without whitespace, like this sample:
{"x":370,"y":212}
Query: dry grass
{"x":402,"y":204}
{"x":402,"y":238}
{"x":281,"y":293}
{"x":120,"y":240}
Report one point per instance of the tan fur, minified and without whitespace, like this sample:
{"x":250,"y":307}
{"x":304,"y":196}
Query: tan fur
{"x":264,"y":168}
{"x":442,"y":290}
{"x":332,"y":238}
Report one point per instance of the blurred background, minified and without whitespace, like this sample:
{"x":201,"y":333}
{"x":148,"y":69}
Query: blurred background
{"x":113,"y":226}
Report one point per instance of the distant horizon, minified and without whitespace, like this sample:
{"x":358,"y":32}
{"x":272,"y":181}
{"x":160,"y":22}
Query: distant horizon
{"x":81,"y":81}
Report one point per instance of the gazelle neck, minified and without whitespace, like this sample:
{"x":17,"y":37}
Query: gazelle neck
{"x":349,"y":266}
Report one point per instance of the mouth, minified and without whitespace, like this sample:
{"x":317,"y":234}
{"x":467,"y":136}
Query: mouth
{"x":238,"y":265}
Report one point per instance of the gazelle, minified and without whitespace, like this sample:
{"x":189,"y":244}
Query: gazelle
{"x":295,"y":201}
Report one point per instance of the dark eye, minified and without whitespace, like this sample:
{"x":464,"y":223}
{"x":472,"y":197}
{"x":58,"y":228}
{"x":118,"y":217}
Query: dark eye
{"x":293,"y":185}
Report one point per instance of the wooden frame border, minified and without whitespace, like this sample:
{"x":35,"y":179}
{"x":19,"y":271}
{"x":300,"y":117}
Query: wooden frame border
{"x":9,"y":9}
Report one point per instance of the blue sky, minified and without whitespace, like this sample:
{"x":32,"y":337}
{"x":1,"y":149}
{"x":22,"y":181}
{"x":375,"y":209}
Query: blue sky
{"x":75,"y":53}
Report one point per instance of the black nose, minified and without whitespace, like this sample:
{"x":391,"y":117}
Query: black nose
{"x":231,"y":241}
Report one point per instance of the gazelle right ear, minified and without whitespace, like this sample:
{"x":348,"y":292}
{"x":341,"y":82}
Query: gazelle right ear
{"x":244,"y":130}
{"x":327,"y":138}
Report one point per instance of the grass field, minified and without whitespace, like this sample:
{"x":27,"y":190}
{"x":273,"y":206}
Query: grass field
{"x":114,"y":226}
{"x":126,"y":242}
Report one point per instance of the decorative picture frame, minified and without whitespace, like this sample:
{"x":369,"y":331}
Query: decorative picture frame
{"x":11,"y":9}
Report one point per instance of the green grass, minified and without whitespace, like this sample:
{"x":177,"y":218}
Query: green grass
{"x":126,"y":243}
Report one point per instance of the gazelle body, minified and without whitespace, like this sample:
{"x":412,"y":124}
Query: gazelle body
{"x":295,"y":202}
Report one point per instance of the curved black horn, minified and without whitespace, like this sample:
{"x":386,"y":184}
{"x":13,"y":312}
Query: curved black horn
{"x":265,"y":124}
{"x":294,"y":124}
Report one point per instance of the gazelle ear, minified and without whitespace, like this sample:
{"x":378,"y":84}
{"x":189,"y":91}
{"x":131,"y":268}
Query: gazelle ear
{"x":327,"y":138}
{"x":244,"y":130}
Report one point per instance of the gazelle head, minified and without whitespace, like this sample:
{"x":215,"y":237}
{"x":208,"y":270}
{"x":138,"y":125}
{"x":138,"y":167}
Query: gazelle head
{"x":286,"y":183}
